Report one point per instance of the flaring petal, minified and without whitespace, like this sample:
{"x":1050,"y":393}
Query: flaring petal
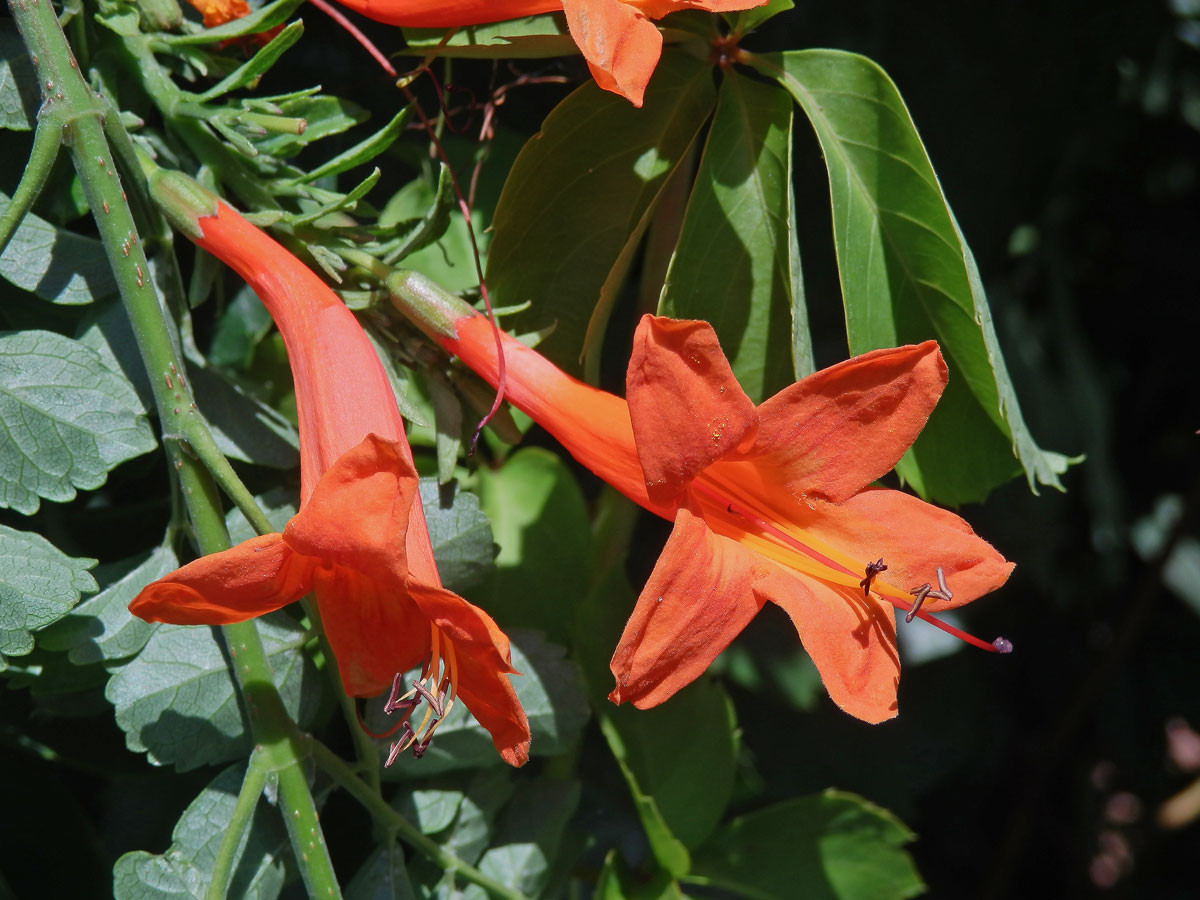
{"x":687,"y":408}
{"x":851,"y":640}
{"x":358,"y":513}
{"x":913,"y":538}
{"x":484,"y":664}
{"x":620,"y":44}
{"x":256,"y":577}
{"x":698,"y":599}
{"x":374,"y":628}
{"x":839,"y":429}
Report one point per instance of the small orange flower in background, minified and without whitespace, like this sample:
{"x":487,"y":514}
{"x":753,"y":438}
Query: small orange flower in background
{"x":617,"y":37}
{"x":359,"y":541}
{"x":218,"y":12}
{"x":769,"y":503}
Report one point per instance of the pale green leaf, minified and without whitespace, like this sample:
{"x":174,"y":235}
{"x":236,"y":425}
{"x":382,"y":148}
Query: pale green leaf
{"x":39,"y":584}
{"x":18,"y":82}
{"x":55,"y":264}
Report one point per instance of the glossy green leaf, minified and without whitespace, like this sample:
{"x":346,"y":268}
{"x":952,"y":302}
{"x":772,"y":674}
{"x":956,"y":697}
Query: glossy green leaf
{"x":56,"y":265}
{"x":185,"y":869}
{"x":101,"y":628}
{"x":18,"y":82}
{"x":461,"y":535}
{"x":751,"y":18}
{"x":540,"y":520}
{"x":39,"y":584}
{"x":550,"y":690}
{"x":908,"y":275}
{"x":176,"y":699}
{"x":736,"y":263}
{"x":579,"y":198}
{"x":831,"y":846}
{"x":249,"y":72}
{"x":67,"y":419}
{"x":528,"y":38}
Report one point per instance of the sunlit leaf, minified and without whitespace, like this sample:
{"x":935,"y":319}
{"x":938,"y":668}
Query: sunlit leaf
{"x":67,"y":419}
{"x":908,"y":275}
{"x":530,"y":38}
{"x":39,"y":584}
{"x":736,"y":264}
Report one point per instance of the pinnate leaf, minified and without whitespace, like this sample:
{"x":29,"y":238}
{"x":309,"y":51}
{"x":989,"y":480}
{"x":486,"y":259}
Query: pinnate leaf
{"x":66,"y":419}
{"x":39,"y":584}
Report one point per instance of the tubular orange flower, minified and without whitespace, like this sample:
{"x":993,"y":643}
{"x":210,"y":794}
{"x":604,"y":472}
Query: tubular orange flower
{"x":616,"y":37}
{"x":769,"y":503}
{"x":359,"y":541}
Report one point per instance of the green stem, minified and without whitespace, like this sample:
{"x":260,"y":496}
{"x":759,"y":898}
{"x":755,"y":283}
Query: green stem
{"x":384,"y":814}
{"x":37,"y":170}
{"x":239,"y":821}
{"x":80,"y":116}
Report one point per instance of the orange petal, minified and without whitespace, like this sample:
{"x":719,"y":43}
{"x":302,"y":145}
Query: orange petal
{"x":374,"y":628}
{"x":699,"y":598}
{"x":620,"y":44}
{"x":257,"y":576}
{"x":851,"y":640}
{"x":656,"y":9}
{"x":685,"y":403}
{"x":218,"y":12}
{"x":913,"y":538}
{"x":841,"y":428}
{"x":482,"y":656}
{"x":358,"y":513}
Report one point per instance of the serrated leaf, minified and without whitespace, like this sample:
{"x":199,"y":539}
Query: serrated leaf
{"x":176,"y":700}
{"x":460,"y":533}
{"x":579,"y":198}
{"x":908,"y":275}
{"x":67,"y":419}
{"x":735,"y":264}
{"x":18,"y":82}
{"x":549,"y":689}
{"x":529,"y":834}
{"x":39,"y":584}
{"x":186,"y":868}
{"x":830,"y":846}
{"x":532,"y":37}
{"x":101,"y":628}
{"x":55,"y":264}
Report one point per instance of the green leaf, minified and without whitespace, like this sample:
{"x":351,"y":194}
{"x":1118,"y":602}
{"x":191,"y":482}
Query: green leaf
{"x":736,"y":264}
{"x":908,"y":275}
{"x":102,"y":629}
{"x":185,"y":869}
{"x":431,"y":226}
{"x":324,"y":116}
{"x":532,"y":37}
{"x":18,"y":82}
{"x":176,"y":699}
{"x":382,"y":877}
{"x":540,"y":520}
{"x":39,"y":584}
{"x":529,"y":834}
{"x":347,"y":201}
{"x":68,"y":419}
{"x":830,"y":846}
{"x":431,"y":811}
{"x":579,"y":197}
{"x":54,"y":264}
{"x":259,"y":20}
{"x":616,"y":882}
{"x":362,"y":152}
{"x":751,"y":18}
{"x":550,"y":691}
{"x":461,"y":535}
{"x":243,"y":324}
{"x":249,"y":72}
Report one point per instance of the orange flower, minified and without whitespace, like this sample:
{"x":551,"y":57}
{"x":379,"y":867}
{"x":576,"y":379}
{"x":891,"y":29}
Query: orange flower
{"x":770,"y":503}
{"x":218,"y":12}
{"x":616,"y":37}
{"x":359,"y":541}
